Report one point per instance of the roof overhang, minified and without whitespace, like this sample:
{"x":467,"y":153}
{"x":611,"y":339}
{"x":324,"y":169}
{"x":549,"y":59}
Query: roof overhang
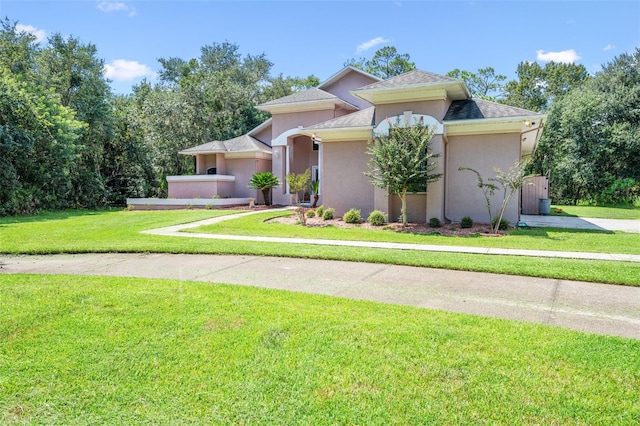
{"x":344,"y":134}
{"x":414,"y":92}
{"x":529,"y":127}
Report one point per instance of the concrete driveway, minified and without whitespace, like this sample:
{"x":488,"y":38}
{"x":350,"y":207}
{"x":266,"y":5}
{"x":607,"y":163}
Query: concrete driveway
{"x":625,"y":225}
{"x":597,"y":308}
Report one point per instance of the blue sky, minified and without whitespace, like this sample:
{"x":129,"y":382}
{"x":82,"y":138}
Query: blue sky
{"x":317,"y":37}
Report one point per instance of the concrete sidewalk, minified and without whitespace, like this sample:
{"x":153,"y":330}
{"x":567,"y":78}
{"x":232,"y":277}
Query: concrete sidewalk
{"x":598,"y":308}
{"x":176,"y":231}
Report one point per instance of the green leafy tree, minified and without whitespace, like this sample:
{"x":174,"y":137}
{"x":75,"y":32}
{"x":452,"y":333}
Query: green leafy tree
{"x":538,"y":86}
{"x":485,"y":84}
{"x":386,"y":62}
{"x":264,"y":182}
{"x":75,"y":72}
{"x":38,"y":135}
{"x":591,"y":145}
{"x":298,"y":182}
{"x":402,"y":159}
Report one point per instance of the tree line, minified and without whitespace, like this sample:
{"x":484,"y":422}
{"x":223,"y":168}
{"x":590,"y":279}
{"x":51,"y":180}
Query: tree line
{"x":66,"y":141}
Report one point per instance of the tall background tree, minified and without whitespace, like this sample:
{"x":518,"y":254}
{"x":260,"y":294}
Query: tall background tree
{"x":537,"y":87}
{"x":591,"y":145}
{"x":385,"y":63}
{"x":484,"y":84}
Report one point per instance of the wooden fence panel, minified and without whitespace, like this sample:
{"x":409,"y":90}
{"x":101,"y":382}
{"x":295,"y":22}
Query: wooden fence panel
{"x":531,"y":194}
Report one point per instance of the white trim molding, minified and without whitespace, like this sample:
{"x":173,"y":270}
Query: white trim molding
{"x":408,"y":119}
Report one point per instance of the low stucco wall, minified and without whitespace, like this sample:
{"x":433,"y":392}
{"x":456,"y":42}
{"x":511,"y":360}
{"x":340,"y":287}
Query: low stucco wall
{"x":416,"y":208}
{"x":183,"y":203}
{"x":200,"y":186}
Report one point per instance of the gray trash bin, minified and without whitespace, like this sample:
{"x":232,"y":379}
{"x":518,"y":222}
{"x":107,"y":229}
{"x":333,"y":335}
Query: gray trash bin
{"x":544,"y":208}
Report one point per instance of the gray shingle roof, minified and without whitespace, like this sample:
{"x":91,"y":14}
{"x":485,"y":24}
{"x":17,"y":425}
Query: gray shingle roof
{"x":408,"y":79}
{"x":309,"y":95}
{"x":472,"y":109}
{"x":244,"y":143}
{"x":357,"y":119}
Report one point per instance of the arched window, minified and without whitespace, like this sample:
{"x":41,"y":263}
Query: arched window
{"x":212,"y":171}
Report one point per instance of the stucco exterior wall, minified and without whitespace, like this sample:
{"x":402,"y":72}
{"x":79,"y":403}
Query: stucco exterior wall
{"x":436,"y":109}
{"x":264,"y":135}
{"x":243,"y":169}
{"x":344,"y":185}
{"x":481,"y":153}
{"x":349,"y":82}
{"x":288,"y":121}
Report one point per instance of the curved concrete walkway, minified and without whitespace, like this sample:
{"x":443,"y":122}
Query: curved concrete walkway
{"x":176,"y":231}
{"x":597,"y":308}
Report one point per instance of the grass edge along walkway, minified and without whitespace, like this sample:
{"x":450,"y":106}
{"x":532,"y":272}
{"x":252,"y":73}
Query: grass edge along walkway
{"x":176,"y":231}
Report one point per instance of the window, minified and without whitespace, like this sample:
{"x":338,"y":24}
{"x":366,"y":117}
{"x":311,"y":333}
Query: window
{"x":212,"y":171}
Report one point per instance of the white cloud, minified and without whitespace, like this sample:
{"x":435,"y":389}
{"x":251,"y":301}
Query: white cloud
{"x":566,"y":56}
{"x":369,"y":44}
{"x":609,"y":47}
{"x":123,"y":70}
{"x":39,"y":34}
{"x":116,"y":6}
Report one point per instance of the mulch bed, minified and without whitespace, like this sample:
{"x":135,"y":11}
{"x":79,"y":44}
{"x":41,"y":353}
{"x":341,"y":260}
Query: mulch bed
{"x":452,"y":229}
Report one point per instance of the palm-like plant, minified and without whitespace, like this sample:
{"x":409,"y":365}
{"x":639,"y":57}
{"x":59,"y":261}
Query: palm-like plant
{"x":315,"y":188}
{"x":264,"y":181}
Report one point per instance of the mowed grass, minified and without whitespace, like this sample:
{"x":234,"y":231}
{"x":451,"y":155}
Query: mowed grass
{"x":558,"y":239}
{"x":120,"y":231}
{"x":602,"y":212}
{"x":95,"y":350}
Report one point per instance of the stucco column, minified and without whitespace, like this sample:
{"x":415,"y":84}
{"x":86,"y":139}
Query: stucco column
{"x":221,"y":164}
{"x":435,"y":190}
{"x":201,"y":166}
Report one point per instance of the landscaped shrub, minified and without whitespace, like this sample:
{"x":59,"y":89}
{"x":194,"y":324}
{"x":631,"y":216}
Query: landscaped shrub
{"x":311,"y":213}
{"x":434,"y":222}
{"x":320,"y":211}
{"x":327,"y":214}
{"x":466,"y":222}
{"x":504,"y":224}
{"x":377,"y":218}
{"x":352,"y":216}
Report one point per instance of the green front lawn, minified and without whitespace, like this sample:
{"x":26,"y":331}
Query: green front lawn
{"x":95,"y":350}
{"x":119,"y":231}
{"x":530,"y":239}
{"x":616,"y":212}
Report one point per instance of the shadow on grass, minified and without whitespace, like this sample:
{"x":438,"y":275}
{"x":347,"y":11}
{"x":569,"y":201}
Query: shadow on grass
{"x":55,"y":216}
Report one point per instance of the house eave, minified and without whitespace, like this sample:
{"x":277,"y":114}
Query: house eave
{"x":414,"y":92}
{"x":343,"y":134}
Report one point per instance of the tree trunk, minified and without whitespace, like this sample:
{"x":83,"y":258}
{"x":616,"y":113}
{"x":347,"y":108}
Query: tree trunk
{"x":265,"y":194}
{"x":403,"y":210}
{"x":315,"y":200}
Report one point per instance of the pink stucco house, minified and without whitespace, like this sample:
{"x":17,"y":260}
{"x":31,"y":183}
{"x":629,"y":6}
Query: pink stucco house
{"x":327,"y":129}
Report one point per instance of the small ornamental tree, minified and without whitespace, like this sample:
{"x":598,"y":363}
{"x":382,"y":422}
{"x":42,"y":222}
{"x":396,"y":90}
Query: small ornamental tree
{"x":401,"y":160}
{"x":264,"y":181}
{"x":511,"y":182}
{"x":297,"y":183}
